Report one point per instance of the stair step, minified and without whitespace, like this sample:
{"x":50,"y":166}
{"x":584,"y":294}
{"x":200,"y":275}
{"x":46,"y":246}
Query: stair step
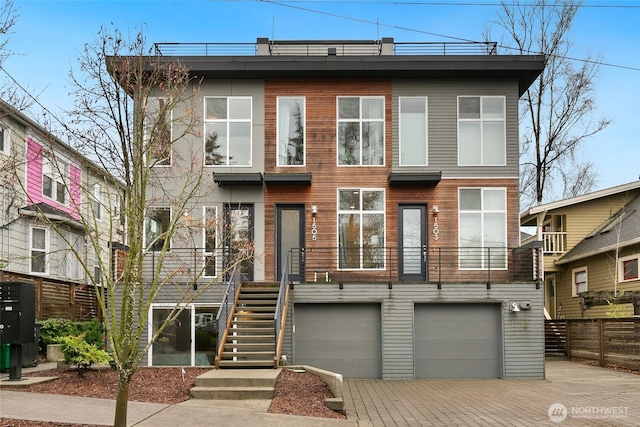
{"x":244,"y":363}
{"x":266,"y":355}
{"x":250,"y":346}
{"x":257,"y":316}
{"x":262,"y":338}
{"x":253,"y":323}
{"x":232,"y":393}
{"x":243,"y":329}
{"x":252,"y":302}
{"x":259,"y":295}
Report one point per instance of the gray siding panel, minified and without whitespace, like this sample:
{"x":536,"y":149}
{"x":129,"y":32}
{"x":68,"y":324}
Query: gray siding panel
{"x":442,"y":125}
{"x":522,"y":332}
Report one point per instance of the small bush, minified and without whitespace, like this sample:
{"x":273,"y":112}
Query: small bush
{"x":52,"y":329}
{"x":80,"y":353}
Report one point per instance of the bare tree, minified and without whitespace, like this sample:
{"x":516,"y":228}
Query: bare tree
{"x":556,"y":111}
{"x":131,"y":110}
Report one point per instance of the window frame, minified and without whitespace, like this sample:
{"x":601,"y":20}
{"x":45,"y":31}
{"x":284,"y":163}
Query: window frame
{"x":279,"y":144}
{"x":44,"y":251}
{"x":482,"y":121}
{"x":5,"y":139}
{"x":97,"y":201}
{"x":70,"y":261}
{"x":150,"y":115}
{"x":228,"y":123}
{"x":361,"y":213}
{"x":574,"y":284}
{"x":483,"y":213}
{"x":156,"y":247}
{"x":426,"y":130}
{"x":622,"y":261}
{"x":59,"y":180}
{"x":206,"y":253}
{"x":360,"y":121}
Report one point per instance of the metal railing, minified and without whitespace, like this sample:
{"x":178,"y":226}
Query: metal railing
{"x":418,"y":265}
{"x":226,"y":309}
{"x":187,"y":265}
{"x":445,"y":48}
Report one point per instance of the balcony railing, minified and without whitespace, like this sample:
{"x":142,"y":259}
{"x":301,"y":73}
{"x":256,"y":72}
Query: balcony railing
{"x":188,"y":265}
{"x":552,"y":242}
{"x":432,"y":265}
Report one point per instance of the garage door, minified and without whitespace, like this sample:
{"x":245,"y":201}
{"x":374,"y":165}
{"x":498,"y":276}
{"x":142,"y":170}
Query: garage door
{"x":458,"y":341}
{"x":343,"y":338}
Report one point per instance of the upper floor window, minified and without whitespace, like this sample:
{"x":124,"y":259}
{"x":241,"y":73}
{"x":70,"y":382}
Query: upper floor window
{"x":227,"y":131}
{"x":481,"y":131}
{"x":5,"y":140}
{"x":291,"y":122}
{"x":157,"y":131}
{"x":97,"y":201}
{"x":158,"y":222}
{"x":54,"y":176}
{"x":361,"y":131}
{"x":70,"y":265}
{"x":482,"y":230}
{"x":209,"y":237}
{"x":628,"y":268}
{"x":413,"y":131}
{"x":39,"y":243}
{"x":361,"y":228}
{"x":579,"y":280}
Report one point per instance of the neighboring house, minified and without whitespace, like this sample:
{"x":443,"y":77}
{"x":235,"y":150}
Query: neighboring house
{"x":591,"y":245}
{"x":386,"y":174}
{"x":46,"y":182}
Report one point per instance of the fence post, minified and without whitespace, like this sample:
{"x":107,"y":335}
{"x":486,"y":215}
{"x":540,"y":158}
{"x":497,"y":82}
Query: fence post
{"x":601,"y":342}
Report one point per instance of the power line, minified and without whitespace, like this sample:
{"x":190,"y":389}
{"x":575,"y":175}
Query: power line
{"x":444,"y":3}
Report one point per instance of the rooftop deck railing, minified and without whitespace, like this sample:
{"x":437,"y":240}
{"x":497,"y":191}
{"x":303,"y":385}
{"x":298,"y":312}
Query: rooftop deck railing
{"x":324,"y":48}
{"x":415,"y":265}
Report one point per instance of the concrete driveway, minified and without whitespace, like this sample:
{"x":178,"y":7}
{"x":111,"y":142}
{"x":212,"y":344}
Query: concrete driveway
{"x":571,"y":395}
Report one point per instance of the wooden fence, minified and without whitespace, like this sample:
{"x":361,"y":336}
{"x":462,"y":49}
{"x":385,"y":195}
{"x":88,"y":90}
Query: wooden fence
{"x":606,"y":342}
{"x":59,"y":299}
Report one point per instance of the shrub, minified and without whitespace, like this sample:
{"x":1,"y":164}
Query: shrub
{"x":80,"y":353}
{"x":52,"y":329}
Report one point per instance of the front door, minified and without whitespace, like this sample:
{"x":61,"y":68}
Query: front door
{"x":412,"y":242}
{"x":238,"y":238}
{"x":290,"y":236}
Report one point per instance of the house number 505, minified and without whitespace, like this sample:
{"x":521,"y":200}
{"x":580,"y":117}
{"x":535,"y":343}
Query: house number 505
{"x":314,"y":229}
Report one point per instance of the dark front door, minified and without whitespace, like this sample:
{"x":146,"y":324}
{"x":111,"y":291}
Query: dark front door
{"x":238,"y":238}
{"x":412,"y":242}
{"x":290,"y":240}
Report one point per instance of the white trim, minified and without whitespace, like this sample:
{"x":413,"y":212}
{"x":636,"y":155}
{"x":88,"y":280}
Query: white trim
{"x":426,"y":129}
{"x":46,"y":254}
{"x":304,"y":128}
{"x":574,"y":290}
{"x":6,"y":139}
{"x":145,"y":244}
{"x":360,"y":120}
{"x":206,"y":253}
{"x":227,"y":122}
{"x":621,"y":261}
{"x":482,"y":121}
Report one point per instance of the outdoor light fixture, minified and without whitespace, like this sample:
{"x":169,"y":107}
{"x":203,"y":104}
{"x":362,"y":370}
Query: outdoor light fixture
{"x":436,"y":210}
{"x":314,"y":209}
{"x":514,"y":307}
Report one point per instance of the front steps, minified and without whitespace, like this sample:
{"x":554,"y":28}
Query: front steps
{"x":235,"y":384}
{"x":250,"y":341}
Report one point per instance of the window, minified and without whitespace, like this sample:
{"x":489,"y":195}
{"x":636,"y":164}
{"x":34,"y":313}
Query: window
{"x":227,"y":131}
{"x":481,"y":131}
{"x":579,"y":278}
{"x":157,"y":131}
{"x":158,"y":221}
{"x":54,"y":176}
{"x":39,"y":249}
{"x":97,"y":201}
{"x":413,"y":131}
{"x":628,"y":268}
{"x":482,"y":228}
{"x":291,"y":121}
{"x":361,"y":228}
{"x":361,"y":131}
{"x":209,"y":228}
{"x":5,"y":140}
{"x":70,"y":265}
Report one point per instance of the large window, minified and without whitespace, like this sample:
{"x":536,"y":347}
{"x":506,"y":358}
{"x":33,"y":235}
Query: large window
{"x":5,"y":140}
{"x":413,"y":131}
{"x":483,"y":228}
{"x":579,"y":280}
{"x":70,"y":265}
{"x":361,"y":228}
{"x":157,"y":131}
{"x":227,"y":131}
{"x":54,"y":176}
{"x":158,"y":222}
{"x":628,"y":268}
{"x":481,"y":131}
{"x":209,"y":233}
{"x":97,"y":201}
{"x":361,"y":131}
{"x":291,"y":144}
{"x":39,"y":249}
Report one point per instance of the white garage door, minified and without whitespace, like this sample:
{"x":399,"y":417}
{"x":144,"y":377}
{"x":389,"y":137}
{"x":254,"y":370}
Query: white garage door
{"x":458,"y":341}
{"x":342,"y":338}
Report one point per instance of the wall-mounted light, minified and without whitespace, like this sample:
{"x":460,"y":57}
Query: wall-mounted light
{"x":314,"y":209}
{"x":514,"y":307}
{"x":436,"y":210}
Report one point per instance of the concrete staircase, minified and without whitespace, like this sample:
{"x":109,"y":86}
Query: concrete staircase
{"x":235,"y":384}
{"x":250,"y":341}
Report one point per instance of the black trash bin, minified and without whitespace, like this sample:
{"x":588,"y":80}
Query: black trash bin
{"x":30,"y":350}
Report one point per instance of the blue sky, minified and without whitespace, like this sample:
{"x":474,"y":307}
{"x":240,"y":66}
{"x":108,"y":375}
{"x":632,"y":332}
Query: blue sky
{"x":50,"y":33}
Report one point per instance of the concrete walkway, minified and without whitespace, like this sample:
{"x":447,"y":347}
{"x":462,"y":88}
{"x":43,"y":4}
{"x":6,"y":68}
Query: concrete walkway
{"x":584,"y":395}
